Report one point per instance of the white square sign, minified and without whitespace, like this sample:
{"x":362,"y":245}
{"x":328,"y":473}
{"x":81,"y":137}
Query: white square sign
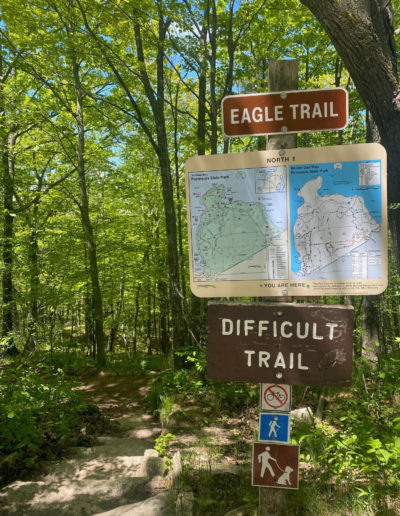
{"x":276,"y":397}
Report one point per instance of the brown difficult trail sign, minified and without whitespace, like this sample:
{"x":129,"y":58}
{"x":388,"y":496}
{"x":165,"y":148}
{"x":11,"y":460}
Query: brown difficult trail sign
{"x":286,"y":343}
{"x":285,"y":112}
{"x":275,"y":465}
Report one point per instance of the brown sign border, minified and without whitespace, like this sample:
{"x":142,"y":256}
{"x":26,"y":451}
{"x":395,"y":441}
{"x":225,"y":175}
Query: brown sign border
{"x":288,"y":343}
{"x":284,"y":98}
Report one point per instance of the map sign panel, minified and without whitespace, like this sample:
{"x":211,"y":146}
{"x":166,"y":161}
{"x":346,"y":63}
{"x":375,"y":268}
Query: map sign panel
{"x":307,"y":222}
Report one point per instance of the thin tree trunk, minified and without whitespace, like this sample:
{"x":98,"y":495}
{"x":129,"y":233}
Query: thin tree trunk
{"x":163,"y":300}
{"x":135,"y":319}
{"x":116,"y":318}
{"x":370,"y":329}
{"x":213,"y":77}
{"x":86,"y":222}
{"x":33,"y":258}
{"x":8,"y":236}
{"x":148,"y":319}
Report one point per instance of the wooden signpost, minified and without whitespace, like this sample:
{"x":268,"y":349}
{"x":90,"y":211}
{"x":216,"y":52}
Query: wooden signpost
{"x":242,"y":244}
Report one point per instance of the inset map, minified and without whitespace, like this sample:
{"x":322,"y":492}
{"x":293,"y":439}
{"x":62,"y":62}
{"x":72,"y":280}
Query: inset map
{"x":271,"y":179}
{"x":336,"y":221}
{"x":239,"y":224}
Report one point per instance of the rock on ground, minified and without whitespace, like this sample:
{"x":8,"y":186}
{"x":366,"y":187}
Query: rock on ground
{"x":88,"y":481}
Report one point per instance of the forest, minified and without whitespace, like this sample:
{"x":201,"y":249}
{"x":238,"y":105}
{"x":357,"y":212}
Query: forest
{"x":102,"y":102}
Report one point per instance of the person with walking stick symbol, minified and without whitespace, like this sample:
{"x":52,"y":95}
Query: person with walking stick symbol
{"x":273,"y":427}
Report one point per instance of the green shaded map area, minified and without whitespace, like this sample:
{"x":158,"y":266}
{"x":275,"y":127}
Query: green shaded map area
{"x":230,"y":232}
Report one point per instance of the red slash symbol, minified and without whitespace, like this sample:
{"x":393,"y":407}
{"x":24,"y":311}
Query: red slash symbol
{"x":275,"y":396}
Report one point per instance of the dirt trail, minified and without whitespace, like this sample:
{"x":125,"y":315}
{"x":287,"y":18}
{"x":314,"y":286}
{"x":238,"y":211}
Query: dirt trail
{"x":119,"y":469}
{"x":121,"y":399}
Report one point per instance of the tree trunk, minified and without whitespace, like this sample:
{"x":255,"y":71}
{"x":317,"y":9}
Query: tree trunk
{"x":135,"y":319}
{"x":213,"y":79}
{"x":163,"y":300}
{"x":8,"y":234}
{"x":86,"y":222}
{"x":34,"y":266}
{"x":197,"y":304}
{"x":362,"y":32}
{"x":370,"y":329}
{"x":34,"y":283}
{"x":115,"y":320}
{"x":201,"y":107}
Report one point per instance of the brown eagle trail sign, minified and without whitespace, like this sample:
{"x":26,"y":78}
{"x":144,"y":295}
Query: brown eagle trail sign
{"x":285,"y":112}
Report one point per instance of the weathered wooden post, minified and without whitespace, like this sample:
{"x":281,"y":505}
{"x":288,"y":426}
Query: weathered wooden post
{"x":282,"y":76}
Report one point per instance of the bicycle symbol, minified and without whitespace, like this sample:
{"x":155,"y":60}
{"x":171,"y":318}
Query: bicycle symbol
{"x":275,"y":396}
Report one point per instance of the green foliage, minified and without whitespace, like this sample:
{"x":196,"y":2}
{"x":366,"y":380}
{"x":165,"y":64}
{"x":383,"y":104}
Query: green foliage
{"x":166,"y":407}
{"x":192,"y":383}
{"x":121,"y":363}
{"x":218,"y":493}
{"x":38,"y":407}
{"x":68,"y":358}
{"x":358,"y":445}
{"x":163,"y":442}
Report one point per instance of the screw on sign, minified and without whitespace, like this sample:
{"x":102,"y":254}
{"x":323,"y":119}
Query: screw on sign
{"x":275,"y":397}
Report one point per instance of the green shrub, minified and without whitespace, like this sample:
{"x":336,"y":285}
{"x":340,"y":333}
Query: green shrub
{"x":191,"y":382}
{"x":38,"y":407}
{"x":357,"y":446}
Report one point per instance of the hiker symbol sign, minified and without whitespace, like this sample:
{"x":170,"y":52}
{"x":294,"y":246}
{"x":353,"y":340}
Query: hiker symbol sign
{"x":275,"y":465}
{"x":274,"y":427}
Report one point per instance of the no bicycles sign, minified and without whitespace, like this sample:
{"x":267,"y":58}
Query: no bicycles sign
{"x":276,"y":397}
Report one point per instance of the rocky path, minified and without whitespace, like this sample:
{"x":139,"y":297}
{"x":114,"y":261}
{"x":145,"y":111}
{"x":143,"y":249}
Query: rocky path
{"x":119,"y":470}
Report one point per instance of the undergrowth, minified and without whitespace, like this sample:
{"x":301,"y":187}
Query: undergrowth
{"x":191,"y":383}
{"x":40,"y":415}
{"x":349,"y":461}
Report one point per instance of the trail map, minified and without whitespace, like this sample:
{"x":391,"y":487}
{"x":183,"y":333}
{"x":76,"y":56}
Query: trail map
{"x":239,"y":218}
{"x":294,"y":225}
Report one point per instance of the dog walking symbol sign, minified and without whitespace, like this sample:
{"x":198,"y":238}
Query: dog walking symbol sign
{"x":275,"y":465}
{"x":276,"y":397}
